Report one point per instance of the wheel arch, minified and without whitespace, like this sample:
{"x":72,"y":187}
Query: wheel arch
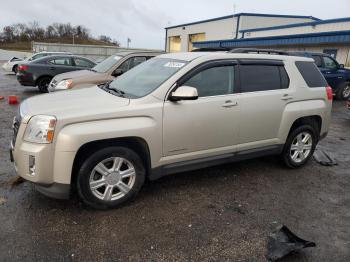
{"x":139,"y":145}
{"x":41,"y":77}
{"x":313,"y":120}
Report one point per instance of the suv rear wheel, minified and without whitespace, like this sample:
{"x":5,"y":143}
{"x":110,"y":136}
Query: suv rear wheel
{"x":300,"y":146}
{"x":110,"y":177}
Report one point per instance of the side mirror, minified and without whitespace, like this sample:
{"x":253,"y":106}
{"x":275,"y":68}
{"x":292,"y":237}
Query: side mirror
{"x":184,"y":93}
{"x":341,"y":66}
{"x":118,"y":72}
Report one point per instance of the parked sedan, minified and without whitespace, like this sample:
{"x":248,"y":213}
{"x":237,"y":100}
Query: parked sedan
{"x":103,"y":72}
{"x":41,"y":71}
{"x":12,"y":64}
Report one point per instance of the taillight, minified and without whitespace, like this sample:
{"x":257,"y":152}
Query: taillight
{"x":22,"y":67}
{"x":348,"y":104}
{"x":329,"y":92}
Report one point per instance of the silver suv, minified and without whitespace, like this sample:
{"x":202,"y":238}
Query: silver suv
{"x":173,"y":113}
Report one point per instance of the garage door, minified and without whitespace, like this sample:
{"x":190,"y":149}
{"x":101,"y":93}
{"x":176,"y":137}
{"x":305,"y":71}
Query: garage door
{"x":174,"y":44}
{"x":195,"y":38}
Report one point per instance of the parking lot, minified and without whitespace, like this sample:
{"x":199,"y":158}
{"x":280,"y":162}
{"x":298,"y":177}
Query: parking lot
{"x":223,"y":213}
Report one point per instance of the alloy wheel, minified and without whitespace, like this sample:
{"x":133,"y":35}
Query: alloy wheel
{"x":301,"y":147}
{"x":112,"y":179}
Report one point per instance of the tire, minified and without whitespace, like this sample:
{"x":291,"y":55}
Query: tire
{"x":293,"y":147}
{"x":101,"y":188}
{"x":343,"y":92}
{"x":43,"y":84}
{"x":15,"y":69}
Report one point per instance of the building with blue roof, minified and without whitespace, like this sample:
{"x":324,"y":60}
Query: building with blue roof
{"x":286,"y":32}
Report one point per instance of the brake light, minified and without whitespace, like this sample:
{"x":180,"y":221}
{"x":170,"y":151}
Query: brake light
{"x":22,"y":67}
{"x":348,"y":104}
{"x":329,"y":92}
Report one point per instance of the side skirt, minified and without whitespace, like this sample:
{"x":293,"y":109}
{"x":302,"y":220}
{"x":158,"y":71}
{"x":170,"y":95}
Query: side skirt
{"x":201,"y":163}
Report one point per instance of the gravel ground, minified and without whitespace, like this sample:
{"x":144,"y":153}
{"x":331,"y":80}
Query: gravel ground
{"x":222,"y":213}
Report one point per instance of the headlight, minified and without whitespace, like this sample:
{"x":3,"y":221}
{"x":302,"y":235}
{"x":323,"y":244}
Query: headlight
{"x":65,"y":84}
{"x":40,"y":129}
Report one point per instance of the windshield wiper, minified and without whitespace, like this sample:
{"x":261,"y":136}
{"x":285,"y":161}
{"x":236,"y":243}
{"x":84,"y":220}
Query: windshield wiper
{"x":120,"y":93}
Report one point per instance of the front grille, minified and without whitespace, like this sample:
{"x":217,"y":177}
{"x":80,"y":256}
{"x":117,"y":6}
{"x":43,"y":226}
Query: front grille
{"x":15,"y":126}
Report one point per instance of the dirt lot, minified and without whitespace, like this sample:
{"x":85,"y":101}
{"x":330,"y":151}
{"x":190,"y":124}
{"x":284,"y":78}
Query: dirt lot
{"x":218,"y":214}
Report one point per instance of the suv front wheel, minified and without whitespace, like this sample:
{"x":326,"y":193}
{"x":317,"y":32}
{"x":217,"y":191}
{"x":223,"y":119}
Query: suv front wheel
{"x":110,"y":177}
{"x":300,"y":146}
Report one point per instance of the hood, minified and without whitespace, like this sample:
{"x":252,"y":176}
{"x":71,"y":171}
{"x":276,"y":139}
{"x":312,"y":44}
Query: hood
{"x":89,"y":102}
{"x":77,"y":75}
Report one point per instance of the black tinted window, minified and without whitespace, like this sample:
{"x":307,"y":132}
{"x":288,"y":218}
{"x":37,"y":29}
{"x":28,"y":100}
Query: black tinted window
{"x":318,"y":60}
{"x":214,"y":81}
{"x":311,"y":74}
{"x":263,"y":77}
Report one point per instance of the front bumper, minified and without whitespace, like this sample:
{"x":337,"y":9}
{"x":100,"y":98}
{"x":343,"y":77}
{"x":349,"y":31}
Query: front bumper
{"x":22,"y":154}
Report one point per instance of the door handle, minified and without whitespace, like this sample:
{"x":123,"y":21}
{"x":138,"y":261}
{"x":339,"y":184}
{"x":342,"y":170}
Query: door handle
{"x":52,"y":68}
{"x":229,"y":104}
{"x":287,"y":97}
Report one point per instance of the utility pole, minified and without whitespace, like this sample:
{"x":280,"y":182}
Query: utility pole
{"x":128,"y":42}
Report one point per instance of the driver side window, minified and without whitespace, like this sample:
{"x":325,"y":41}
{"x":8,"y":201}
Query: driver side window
{"x":329,"y":63}
{"x":214,"y":81}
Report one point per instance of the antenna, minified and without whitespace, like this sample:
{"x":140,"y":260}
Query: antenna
{"x":234,"y":8}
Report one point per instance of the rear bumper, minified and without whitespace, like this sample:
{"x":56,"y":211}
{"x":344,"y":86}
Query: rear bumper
{"x":25,"y":79}
{"x":7,"y":67}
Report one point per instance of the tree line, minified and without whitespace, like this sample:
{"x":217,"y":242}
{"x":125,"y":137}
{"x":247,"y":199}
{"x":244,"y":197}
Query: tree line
{"x":32,"y":31}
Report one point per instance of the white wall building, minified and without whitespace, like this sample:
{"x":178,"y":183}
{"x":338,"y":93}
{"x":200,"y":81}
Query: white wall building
{"x":181,"y":37}
{"x":301,"y":33}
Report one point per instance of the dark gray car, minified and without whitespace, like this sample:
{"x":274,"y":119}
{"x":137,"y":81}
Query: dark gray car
{"x":41,"y":71}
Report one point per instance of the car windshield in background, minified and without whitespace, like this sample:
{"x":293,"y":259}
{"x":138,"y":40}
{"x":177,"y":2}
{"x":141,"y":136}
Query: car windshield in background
{"x":145,"y":78}
{"x":105,"y":65}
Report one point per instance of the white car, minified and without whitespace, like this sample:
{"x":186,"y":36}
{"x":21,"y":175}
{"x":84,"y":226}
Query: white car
{"x":12,"y":64}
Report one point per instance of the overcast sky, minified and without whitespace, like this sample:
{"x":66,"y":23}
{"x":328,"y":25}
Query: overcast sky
{"x":144,"y":20}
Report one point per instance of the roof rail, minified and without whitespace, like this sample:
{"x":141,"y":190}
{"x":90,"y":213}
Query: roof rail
{"x":258,"y":51}
{"x":212,"y":49}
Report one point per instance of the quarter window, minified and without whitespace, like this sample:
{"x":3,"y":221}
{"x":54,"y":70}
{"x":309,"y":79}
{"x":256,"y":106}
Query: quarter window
{"x":214,"y":81}
{"x":256,"y":78}
{"x":311,"y":74}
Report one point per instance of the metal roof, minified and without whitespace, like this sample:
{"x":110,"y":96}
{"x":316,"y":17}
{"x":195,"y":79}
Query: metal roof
{"x":320,"y":22}
{"x":303,"y":39}
{"x":242,"y":14}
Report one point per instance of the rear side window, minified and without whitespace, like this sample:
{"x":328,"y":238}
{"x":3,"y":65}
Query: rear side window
{"x":61,"y":61}
{"x":311,"y":74}
{"x":256,"y":78}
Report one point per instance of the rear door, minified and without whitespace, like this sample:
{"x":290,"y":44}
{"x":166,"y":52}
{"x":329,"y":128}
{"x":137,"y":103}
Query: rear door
{"x":59,"y":65}
{"x":264,"y":91}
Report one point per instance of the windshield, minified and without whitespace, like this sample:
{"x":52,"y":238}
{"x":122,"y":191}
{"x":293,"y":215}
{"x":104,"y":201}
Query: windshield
{"x":105,"y":65}
{"x":145,"y":78}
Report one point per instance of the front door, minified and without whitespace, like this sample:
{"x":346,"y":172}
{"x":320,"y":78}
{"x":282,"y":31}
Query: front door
{"x":332,"y":72}
{"x":207,"y":125}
